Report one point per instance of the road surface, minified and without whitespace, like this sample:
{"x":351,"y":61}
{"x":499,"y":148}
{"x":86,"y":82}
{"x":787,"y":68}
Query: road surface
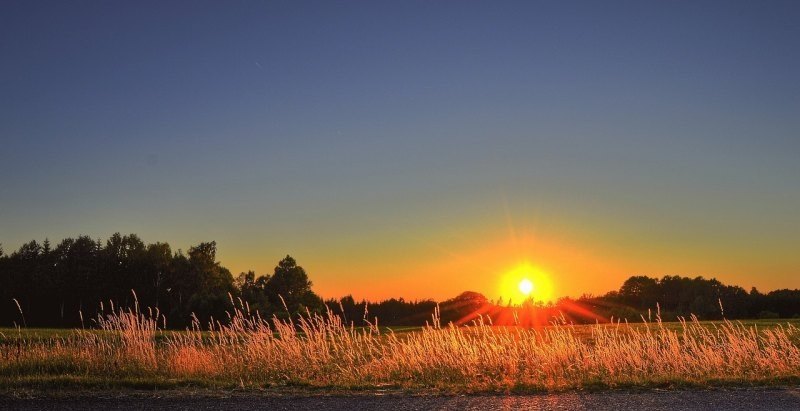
{"x":672,"y":400}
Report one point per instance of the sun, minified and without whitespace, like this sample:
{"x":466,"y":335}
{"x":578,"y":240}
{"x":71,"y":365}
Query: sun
{"x":525,"y":286}
{"x":526,"y":282}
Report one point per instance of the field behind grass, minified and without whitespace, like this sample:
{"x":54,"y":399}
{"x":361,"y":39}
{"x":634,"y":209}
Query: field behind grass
{"x":130,"y":351}
{"x":9,"y":335}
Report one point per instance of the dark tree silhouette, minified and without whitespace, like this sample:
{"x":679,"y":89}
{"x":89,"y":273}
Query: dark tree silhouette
{"x":289,"y":285}
{"x":253,"y":290}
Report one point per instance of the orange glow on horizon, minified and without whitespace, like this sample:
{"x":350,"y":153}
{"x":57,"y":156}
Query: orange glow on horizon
{"x":443,"y":266}
{"x":492,"y":265}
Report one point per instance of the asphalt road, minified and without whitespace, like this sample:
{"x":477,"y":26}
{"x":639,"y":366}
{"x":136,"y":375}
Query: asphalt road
{"x":672,"y":400}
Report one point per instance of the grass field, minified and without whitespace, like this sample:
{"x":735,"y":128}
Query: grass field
{"x":129,"y":350}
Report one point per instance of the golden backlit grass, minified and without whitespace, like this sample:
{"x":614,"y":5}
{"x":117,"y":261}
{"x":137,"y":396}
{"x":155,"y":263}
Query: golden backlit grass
{"x":323,"y":351}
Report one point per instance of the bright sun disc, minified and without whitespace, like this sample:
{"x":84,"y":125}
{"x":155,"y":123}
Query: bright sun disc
{"x":526,"y":282}
{"x":525,"y":286}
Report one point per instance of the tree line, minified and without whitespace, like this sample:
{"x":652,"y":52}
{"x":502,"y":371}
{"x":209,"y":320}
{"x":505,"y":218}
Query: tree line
{"x":678,"y":296}
{"x":68,"y":284}
{"x":639,"y":298}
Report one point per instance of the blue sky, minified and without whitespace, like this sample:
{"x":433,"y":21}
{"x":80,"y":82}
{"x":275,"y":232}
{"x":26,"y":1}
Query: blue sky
{"x":375,"y":141}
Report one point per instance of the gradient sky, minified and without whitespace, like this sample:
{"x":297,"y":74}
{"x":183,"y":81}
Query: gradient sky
{"x":413,"y":149}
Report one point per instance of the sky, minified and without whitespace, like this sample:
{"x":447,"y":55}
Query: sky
{"x":413,"y":149}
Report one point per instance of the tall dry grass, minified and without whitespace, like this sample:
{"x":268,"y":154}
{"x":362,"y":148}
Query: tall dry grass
{"x":321,"y":350}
